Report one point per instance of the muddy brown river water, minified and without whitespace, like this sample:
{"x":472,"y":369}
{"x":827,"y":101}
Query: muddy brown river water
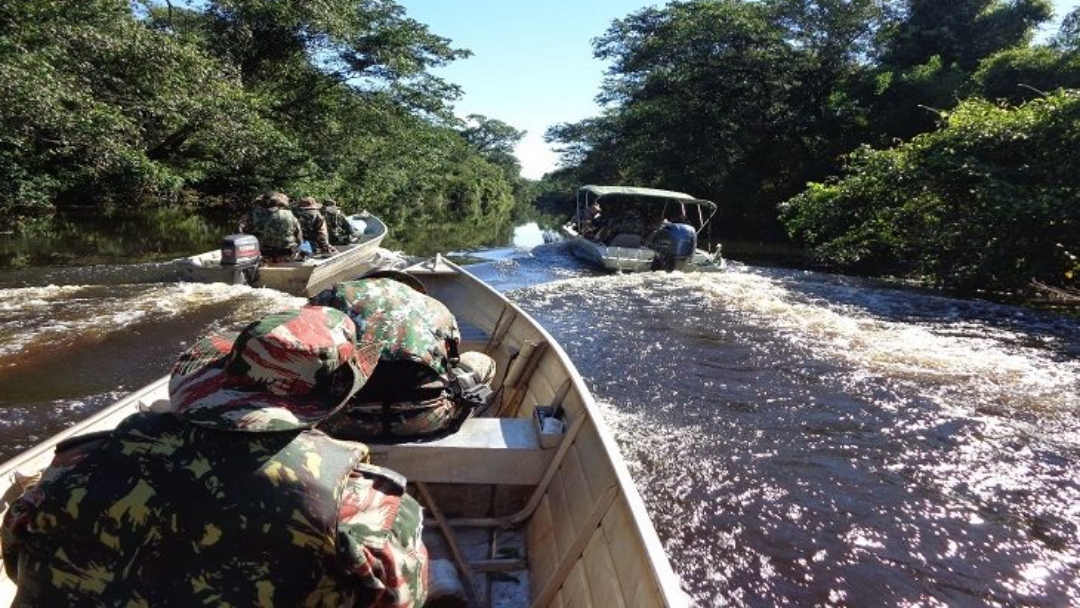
{"x":799,"y":438}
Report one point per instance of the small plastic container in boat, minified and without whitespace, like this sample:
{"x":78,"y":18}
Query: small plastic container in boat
{"x":549,"y":427}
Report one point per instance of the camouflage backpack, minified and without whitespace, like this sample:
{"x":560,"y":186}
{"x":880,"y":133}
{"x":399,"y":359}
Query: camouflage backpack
{"x":412,"y":392}
{"x":410,"y":326}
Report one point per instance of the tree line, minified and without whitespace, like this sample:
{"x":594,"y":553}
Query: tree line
{"x":111,"y":105}
{"x":929,"y":139}
{"x":922,"y":138}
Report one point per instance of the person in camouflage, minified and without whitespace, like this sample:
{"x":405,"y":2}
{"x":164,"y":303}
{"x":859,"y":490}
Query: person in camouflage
{"x":422,"y":387}
{"x":277,"y":229}
{"x":340,"y":229}
{"x":625,"y":219}
{"x":314,"y":226}
{"x":231,"y":498}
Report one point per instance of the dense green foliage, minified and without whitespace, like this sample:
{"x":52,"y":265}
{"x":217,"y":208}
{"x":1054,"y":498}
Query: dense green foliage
{"x":1019,"y":75}
{"x":984,"y":202}
{"x":746,"y":103}
{"x":934,"y":136}
{"x":716,"y":98}
{"x":203,"y":104}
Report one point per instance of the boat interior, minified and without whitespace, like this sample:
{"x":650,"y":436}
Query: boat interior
{"x":529,"y":504}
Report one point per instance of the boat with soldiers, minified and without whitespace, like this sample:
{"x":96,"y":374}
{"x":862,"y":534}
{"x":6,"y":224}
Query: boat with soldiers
{"x":632,"y":229}
{"x":238,"y":262}
{"x":528,"y":501}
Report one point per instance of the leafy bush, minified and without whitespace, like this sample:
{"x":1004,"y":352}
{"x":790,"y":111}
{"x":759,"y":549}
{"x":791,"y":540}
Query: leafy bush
{"x":1020,"y":75}
{"x":991,"y":200}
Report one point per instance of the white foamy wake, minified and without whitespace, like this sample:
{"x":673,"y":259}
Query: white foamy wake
{"x":983,"y":357}
{"x":57,"y":315}
{"x":996,"y":366}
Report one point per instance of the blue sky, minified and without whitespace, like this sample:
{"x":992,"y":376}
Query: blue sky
{"x":532,"y":63}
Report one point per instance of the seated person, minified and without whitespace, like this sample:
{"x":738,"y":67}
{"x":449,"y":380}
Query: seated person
{"x":627,"y":221}
{"x":277,"y":229}
{"x":593,"y":221}
{"x":307,"y":211}
{"x":231,"y":496}
{"x":422,"y":387}
{"x":338,"y":226}
{"x":652,"y":220}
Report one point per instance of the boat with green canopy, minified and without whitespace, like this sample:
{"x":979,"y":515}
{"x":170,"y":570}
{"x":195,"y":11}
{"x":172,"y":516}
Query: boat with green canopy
{"x":633,"y":229}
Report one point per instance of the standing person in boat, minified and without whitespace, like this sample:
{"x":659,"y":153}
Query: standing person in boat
{"x":308,"y":211}
{"x":229,"y":495}
{"x":277,"y":229}
{"x":340,"y":229}
{"x":422,"y":386}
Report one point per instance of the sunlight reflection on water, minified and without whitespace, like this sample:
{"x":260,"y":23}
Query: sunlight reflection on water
{"x":798,"y":438}
{"x":837,"y":442}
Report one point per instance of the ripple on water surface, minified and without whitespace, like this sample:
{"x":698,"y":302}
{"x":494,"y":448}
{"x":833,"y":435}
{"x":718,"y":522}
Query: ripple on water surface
{"x":67,"y":351}
{"x":803,"y":439}
{"x":798,"y":438}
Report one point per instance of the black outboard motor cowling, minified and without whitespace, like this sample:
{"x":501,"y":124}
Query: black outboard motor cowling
{"x":674,"y":245}
{"x":241,"y":253}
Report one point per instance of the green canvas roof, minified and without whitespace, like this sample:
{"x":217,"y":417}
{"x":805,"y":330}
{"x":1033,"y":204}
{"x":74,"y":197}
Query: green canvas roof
{"x":682,"y":197}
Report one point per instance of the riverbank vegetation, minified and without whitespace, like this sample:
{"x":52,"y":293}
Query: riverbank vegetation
{"x":918,"y":138}
{"x":110,"y":106}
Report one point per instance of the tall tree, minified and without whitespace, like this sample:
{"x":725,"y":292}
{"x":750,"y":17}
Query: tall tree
{"x":731,"y":100}
{"x":494,"y":140}
{"x":95,"y":106}
{"x":369,"y":44}
{"x":929,"y":49}
{"x":960,"y":32}
{"x":1068,"y":36}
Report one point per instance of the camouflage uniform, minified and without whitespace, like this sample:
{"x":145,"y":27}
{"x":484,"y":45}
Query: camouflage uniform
{"x":231,"y":499}
{"x":277,"y":229}
{"x":341,"y":231}
{"x":623,"y":221}
{"x":314,"y":226}
{"x":421,"y":387}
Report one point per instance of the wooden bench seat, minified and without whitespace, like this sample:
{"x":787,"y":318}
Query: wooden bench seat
{"x":504,"y":451}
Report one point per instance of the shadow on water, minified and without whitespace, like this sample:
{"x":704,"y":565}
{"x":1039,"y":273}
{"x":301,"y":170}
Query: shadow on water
{"x":124,"y":236}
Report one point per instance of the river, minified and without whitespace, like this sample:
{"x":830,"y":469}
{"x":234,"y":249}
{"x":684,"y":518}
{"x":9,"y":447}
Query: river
{"x":799,"y":438}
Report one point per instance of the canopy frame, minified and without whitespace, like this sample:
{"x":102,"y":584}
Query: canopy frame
{"x":587,"y":195}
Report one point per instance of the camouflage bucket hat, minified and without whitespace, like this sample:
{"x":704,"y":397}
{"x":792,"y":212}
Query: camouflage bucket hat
{"x":289,"y":370}
{"x":275,"y":199}
{"x":308,"y":203}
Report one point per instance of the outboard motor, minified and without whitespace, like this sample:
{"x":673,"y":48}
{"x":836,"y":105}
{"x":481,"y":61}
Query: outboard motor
{"x":674,"y":245}
{"x":241,"y":253}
